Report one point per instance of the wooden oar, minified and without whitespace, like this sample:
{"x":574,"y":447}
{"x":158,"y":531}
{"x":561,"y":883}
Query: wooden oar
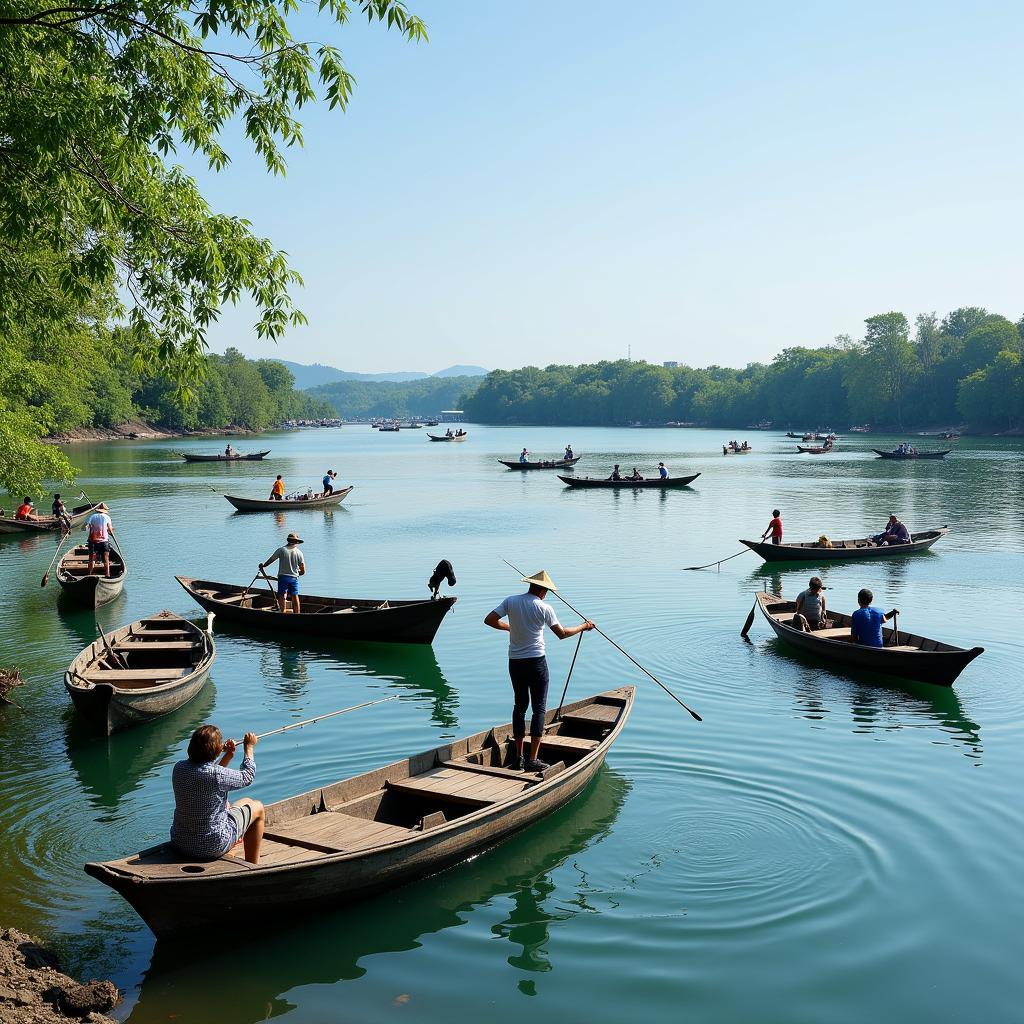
{"x":719,"y":562}
{"x":60,"y":544}
{"x":270,"y":587}
{"x":625,"y":654}
{"x":572,"y":665}
{"x":115,"y":657}
{"x":750,"y":621}
{"x":895,"y":629}
{"x":320,"y":718}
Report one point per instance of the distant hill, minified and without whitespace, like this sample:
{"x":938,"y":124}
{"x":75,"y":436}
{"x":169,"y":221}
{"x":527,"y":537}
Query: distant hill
{"x":424,"y":397}
{"x":316,"y":374}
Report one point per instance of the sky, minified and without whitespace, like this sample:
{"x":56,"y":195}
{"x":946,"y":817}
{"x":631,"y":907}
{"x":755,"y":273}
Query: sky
{"x":553,"y":182}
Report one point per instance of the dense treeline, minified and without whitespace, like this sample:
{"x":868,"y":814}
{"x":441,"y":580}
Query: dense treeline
{"x":400,"y":399}
{"x":966,"y":368}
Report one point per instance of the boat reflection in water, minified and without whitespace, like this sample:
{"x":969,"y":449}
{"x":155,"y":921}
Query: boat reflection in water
{"x":339,"y":945}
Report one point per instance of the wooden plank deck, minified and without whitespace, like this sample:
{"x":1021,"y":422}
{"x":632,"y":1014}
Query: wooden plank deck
{"x":462,"y":786}
{"x":335,"y":832}
{"x":598,"y":714}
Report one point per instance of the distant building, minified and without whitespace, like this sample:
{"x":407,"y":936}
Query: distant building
{"x":670,"y":364}
{"x":452,"y":415}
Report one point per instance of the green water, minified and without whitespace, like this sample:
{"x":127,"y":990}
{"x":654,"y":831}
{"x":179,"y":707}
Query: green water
{"x":820,"y":848}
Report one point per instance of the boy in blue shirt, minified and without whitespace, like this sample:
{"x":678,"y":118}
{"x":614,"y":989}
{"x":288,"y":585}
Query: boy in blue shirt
{"x":866,"y":622}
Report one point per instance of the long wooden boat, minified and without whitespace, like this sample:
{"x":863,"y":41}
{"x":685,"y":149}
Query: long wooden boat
{"x":140,"y":672}
{"x":905,"y":655}
{"x":911,"y":455}
{"x":90,"y":590}
{"x":338,"y":618}
{"x":652,"y":483}
{"x":843,"y":550}
{"x":342,"y":842}
{"x":46,"y":524}
{"x":442,"y":437}
{"x":265,"y":505}
{"x":542,"y":464}
{"x":729,"y":450}
{"x":814,"y":451}
{"x":251,"y":457}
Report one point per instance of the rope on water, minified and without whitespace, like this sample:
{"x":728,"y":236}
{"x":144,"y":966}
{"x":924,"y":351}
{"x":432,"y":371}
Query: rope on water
{"x":718,"y":563}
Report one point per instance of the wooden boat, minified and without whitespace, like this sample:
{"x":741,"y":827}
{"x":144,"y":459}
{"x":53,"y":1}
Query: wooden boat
{"x":905,"y":655}
{"x":911,"y":455}
{"x":46,"y":524}
{"x":727,"y":449}
{"x":814,"y":451}
{"x":286,"y":504}
{"x":340,"y":843}
{"x":545,"y":464}
{"x":442,"y":437}
{"x":338,"y":618}
{"x":95,"y":589}
{"x":140,"y":672}
{"x":843,"y":550}
{"x":251,"y":457}
{"x":653,"y":483}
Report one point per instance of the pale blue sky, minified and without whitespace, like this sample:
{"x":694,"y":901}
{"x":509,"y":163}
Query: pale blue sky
{"x":552,"y":182}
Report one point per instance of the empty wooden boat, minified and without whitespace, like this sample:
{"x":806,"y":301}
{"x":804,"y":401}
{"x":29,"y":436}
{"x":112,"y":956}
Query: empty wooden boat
{"x":140,"y":672}
{"x":221,"y":457}
{"x":911,"y":455}
{"x":444,"y":437}
{"x":45,"y":524}
{"x":342,"y":842}
{"x":90,"y":589}
{"x":905,"y":655}
{"x":541,"y":463}
{"x":843,"y":550}
{"x":285,"y":504}
{"x":652,"y":483}
{"x":337,"y":618}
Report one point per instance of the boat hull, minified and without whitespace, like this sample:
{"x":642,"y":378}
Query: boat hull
{"x":911,"y":458}
{"x":438,"y":437}
{"x":654,"y":484}
{"x":811,"y":553}
{"x":251,"y":457}
{"x":77,"y":515}
{"x":90,"y":591}
{"x":550,"y":464}
{"x":263,"y":505}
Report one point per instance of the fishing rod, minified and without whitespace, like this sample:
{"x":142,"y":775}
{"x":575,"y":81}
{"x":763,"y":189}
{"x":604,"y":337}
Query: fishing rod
{"x":624,"y":653}
{"x":719,"y":562}
{"x":319,"y":718}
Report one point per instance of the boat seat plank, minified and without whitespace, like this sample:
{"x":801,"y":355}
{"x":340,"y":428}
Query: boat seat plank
{"x":335,"y":831}
{"x":153,"y":645}
{"x":462,"y":786}
{"x":603,"y":714}
{"x":117,"y":675}
{"x":486,"y":769}
{"x":572,"y":742}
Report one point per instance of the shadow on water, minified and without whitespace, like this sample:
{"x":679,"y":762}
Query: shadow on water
{"x":189,"y":985}
{"x":111,"y":767}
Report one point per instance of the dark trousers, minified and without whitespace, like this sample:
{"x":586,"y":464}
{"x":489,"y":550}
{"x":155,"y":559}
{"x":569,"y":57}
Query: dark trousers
{"x":530,"y":684}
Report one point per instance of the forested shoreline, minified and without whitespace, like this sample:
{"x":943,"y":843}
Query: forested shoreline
{"x":967,"y":368}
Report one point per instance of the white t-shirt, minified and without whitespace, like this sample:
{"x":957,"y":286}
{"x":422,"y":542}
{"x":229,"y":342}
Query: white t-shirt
{"x":527,"y":616}
{"x":97,"y":525}
{"x":289,"y":560}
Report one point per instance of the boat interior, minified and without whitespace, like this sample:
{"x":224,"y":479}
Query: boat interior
{"x":402,"y":800}
{"x":265,"y":600}
{"x":865,"y":542}
{"x":76,"y":563}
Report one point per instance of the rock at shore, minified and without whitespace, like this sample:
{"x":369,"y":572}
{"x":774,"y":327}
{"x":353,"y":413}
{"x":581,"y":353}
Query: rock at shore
{"x":34,"y":991}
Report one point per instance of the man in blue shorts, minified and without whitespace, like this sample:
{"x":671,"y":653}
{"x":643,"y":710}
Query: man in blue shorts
{"x":866,"y":622}
{"x":290,"y":566}
{"x":527,"y":664}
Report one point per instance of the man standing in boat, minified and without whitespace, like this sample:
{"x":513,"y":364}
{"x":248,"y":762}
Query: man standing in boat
{"x":329,"y":477}
{"x":290,"y":566}
{"x":774,"y":527}
{"x":277,"y":491}
{"x":527,"y":616}
{"x":100,"y":529}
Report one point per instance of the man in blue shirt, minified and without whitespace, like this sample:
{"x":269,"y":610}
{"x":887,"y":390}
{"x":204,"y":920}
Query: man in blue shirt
{"x":328,"y":482}
{"x":662,"y":471}
{"x":866,"y":622}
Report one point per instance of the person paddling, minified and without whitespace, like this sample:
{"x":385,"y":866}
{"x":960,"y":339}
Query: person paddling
{"x":205,"y":825}
{"x":329,"y":477}
{"x":277,"y":491}
{"x":774,"y":527}
{"x":291,"y":565}
{"x":527,"y":616}
{"x":524,"y":457}
{"x":100,"y":529}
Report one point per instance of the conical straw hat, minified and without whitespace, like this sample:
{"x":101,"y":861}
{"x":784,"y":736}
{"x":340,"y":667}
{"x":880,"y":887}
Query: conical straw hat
{"x":542,"y":579}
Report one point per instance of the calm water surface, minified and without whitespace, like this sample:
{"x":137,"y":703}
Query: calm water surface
{"x":820,"y":848}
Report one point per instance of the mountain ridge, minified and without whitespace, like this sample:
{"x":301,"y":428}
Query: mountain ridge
{"x":311,"y":375}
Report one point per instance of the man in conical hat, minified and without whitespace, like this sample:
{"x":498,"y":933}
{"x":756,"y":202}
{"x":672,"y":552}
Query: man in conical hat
{"x":527,"y":616}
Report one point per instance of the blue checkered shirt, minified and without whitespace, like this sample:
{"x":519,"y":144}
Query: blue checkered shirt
{"x":202,"y":826}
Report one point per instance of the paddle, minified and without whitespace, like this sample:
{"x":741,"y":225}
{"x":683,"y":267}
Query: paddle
{"x":60,"y":544}
{"x":719,"y":562}
{"x":750,"y":621}
{"x":572,"y":665}
{"x":319,"y":718}
{"x":625,"y":654}
{"x":116,"y":658}
{"x":895,"y":628}
{"x":270,"y":587}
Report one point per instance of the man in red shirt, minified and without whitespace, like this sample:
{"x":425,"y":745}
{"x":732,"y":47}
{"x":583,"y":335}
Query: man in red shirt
{"x":26,"y":511}
{"x":774,"y":528}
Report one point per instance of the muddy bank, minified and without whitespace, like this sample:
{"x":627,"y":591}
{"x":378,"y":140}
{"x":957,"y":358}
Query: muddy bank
{"x":139,"y":430}
{"x":34,"y":991}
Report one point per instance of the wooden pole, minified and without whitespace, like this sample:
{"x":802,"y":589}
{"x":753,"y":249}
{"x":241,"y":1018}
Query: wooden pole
{"x":320,"y":718}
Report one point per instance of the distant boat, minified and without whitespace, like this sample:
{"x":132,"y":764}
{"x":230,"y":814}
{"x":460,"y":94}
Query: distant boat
{"x":45,"y":524}
{"x":911,"y":455}
{"x":652,"y":483}
{"x":815,"y":451}
{"x":300,"y":503}
{"x":453,"y":437}
{"x":544,"y":464}
{"x":221,"y":457}
{"x":843,"y":550}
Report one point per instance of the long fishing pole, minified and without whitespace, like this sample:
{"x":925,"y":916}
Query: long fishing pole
{"x":625,"y":654}
{"x":719,"y":562}
{"x":319,"y":718}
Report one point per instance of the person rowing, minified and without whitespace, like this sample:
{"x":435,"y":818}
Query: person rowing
{"x":527,"y":616}
{"x":290,"y":566}
{"x":100,"y":529}
{"x":60,"y":513}
{"x":636,"y":474}
{"x":568,"y":453}
{"x":866,"y":622}
{"x":774,"y":527}
{"x":229,"y":452}
{"x":205,"y":825}
{"x":329,"y":477}
{"x":662,"y":471}
{"x":524,"y":457}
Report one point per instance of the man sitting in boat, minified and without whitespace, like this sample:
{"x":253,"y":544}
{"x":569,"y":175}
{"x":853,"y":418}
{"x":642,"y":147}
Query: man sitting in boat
{"x":205,"y":825}
{"x":894,"y":533}
{"x":227,"y":451}
{"x":527,"y":664}
{"x":568,"y":452}
{"x":636,"y":474}
{"x":524,"y":456}
{"x":866,"y":622}
{"x":662,"y":471}
{"x":277,"y":491}
{"x":810,"y":607}
{"x":328,"y":482}
{"x":616,"y":475}
{"x":26,"y":511}
{"x":290,"y":566}
{"x":60,"y":511}
{"x":448,"y":433}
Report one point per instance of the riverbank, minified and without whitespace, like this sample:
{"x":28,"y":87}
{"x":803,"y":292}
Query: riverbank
{"x":33,"y":990}
{"x":135,"y":430}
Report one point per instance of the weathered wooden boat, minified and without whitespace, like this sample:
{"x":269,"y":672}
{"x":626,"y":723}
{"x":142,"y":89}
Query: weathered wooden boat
{"x":727,"y":449}
{"x":911,"y":455}
{"x":337,"y":618}
{"x":542,"y":464}
{"x":46,"y":524}
{"x":140,"y":672}
{"x":843,"y":550}
{"x":442,"y":437}
{"x":286,"y":504}
{"x":905,"y":655}
{"x":250,"y":457}
{"x":651,"y":483}
{"x":814,"y":451}
{"x":90,"y":590}
{"x":343,"y":842}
